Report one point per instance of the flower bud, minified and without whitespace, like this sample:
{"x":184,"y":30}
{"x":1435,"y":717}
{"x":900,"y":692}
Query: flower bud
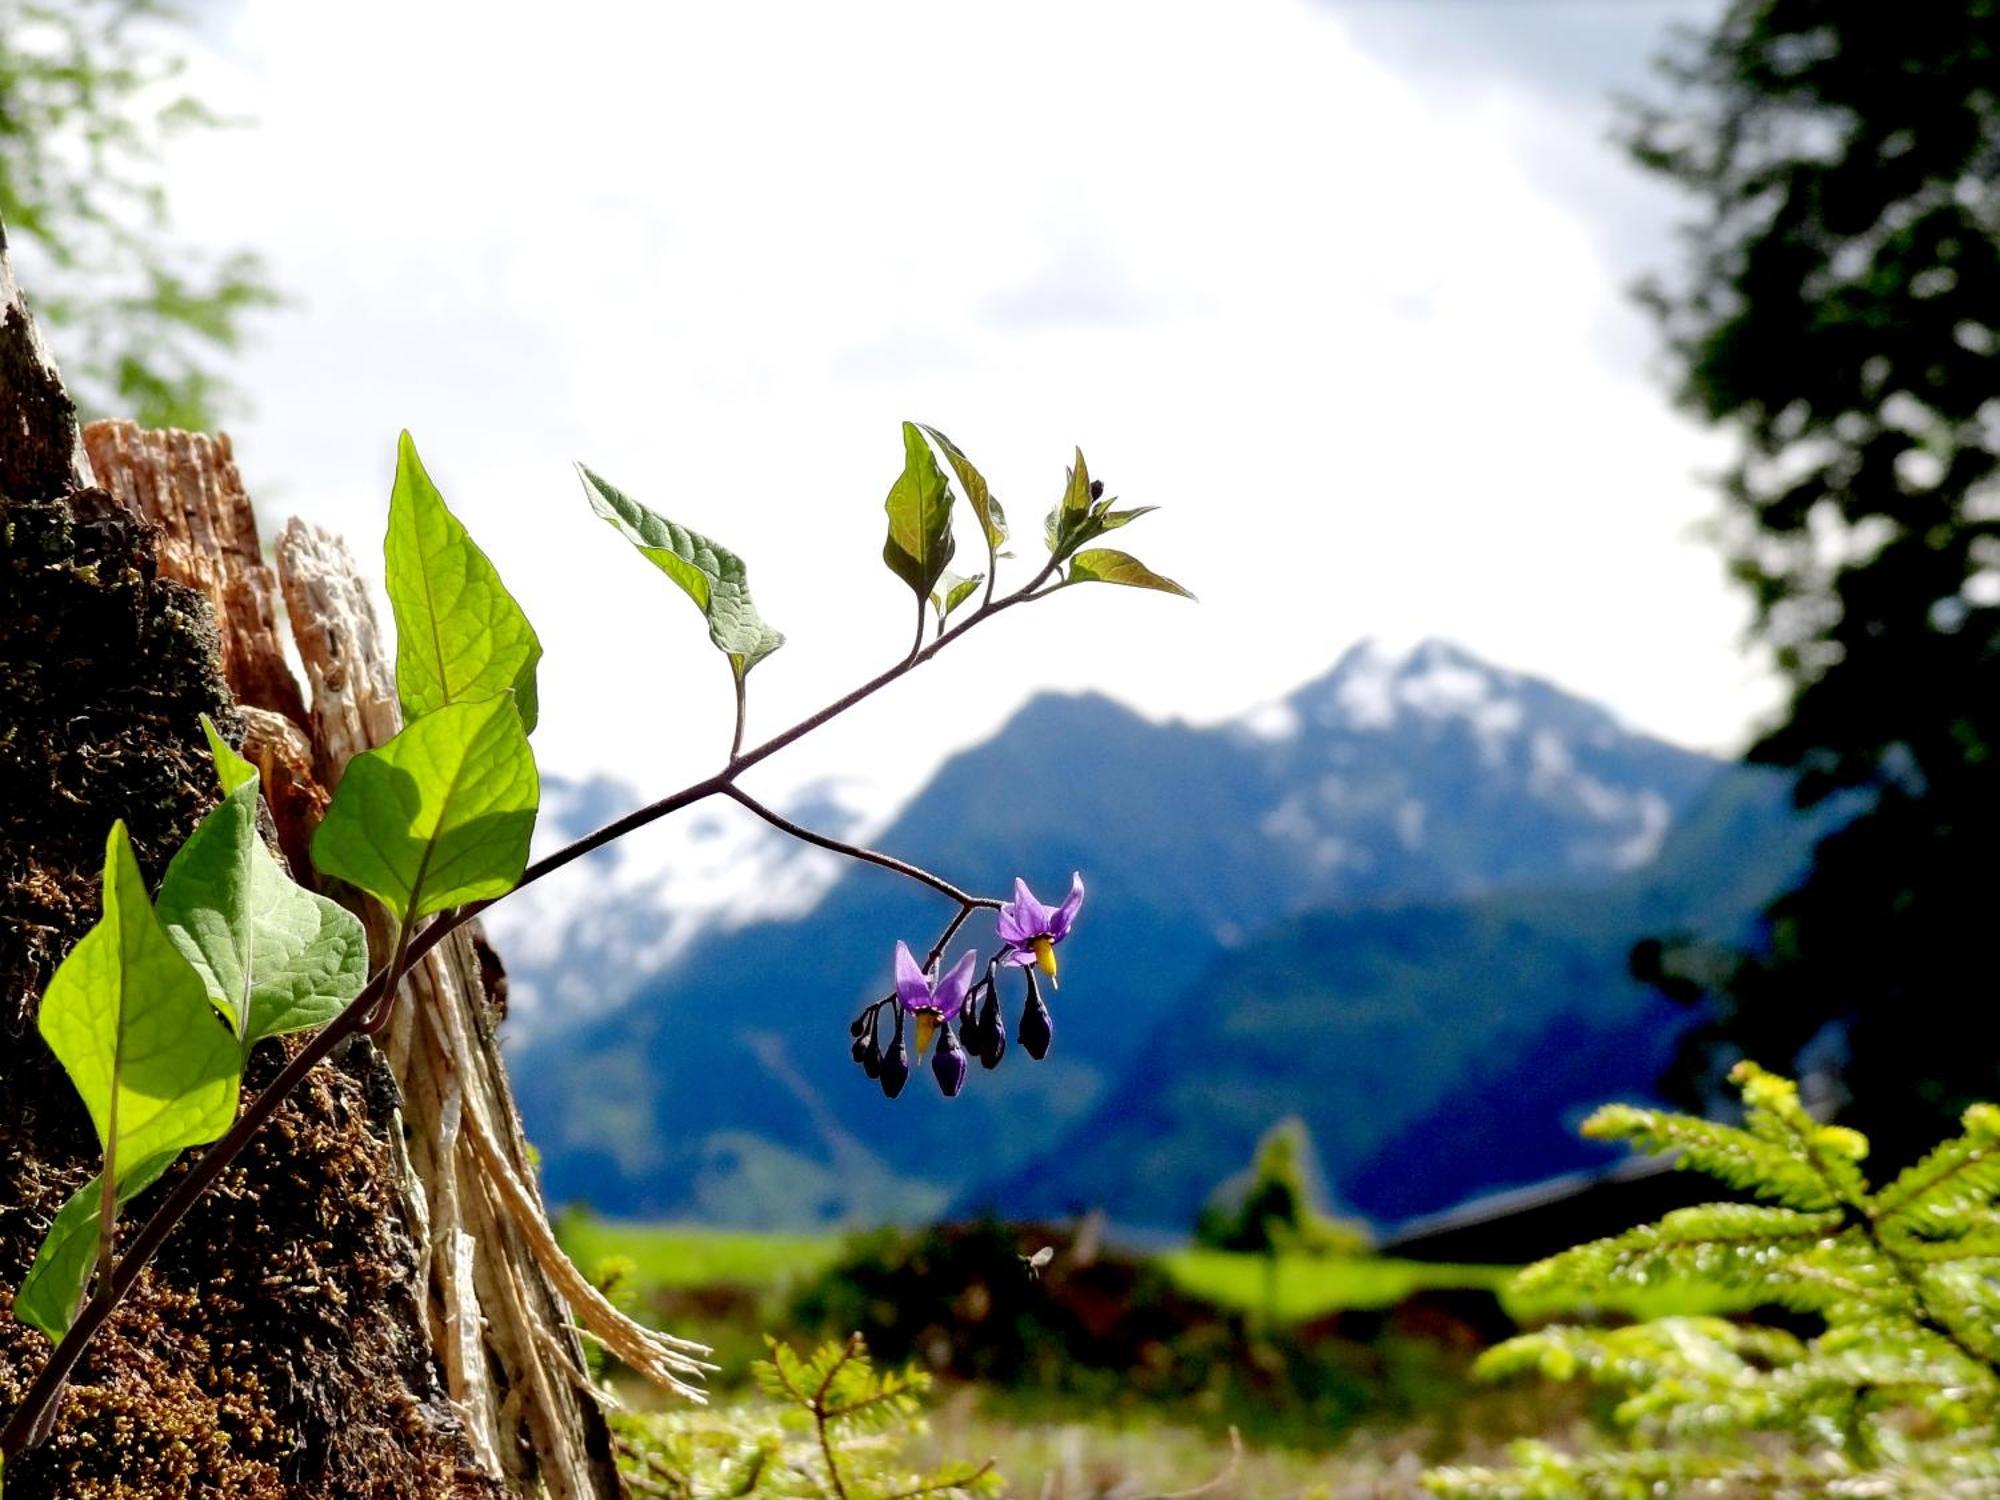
{"x":895,"y":1070}
{"x":948,"y":1064}
{"x":992,"y":1032}
{"x":1037,"y":1029}
{"x":868,"y":1054}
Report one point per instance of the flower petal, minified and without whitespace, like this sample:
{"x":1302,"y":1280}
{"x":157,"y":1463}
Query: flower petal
{"x":912,"y":989}
{"x":1024,"y":918}
{"x":1020,"y":958}
{"x":1064,"y":915}
{"x":951,"y":989}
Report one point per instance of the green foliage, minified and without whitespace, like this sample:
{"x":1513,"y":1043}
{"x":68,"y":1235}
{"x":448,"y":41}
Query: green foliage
{"x":835,"y":1429}
{"x":52,"y":1291}
{"x":953,"y":591}
{"x":1275,"y":1208}
{"x":920,"y":543}
{"x":1893,"y":1388}
{"x":276,"y":957}
{"x":130,"y":1021}
{"x":1107,"y":565}
{"x":460,"y":637}
{"x":992,"y":519}
{"x":707,"y":572}
{"x":439,"y":816}
{"x":88,"y":101}
{"x":1834,"y":312}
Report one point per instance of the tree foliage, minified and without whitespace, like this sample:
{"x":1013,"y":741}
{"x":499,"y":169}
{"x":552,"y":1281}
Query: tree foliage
{"x":1892,"y":1384}
{"x":1277,"y":1206}
{"x":1838,"y":312}
{"x":90,"y":97}
{"x":832,"y":1427}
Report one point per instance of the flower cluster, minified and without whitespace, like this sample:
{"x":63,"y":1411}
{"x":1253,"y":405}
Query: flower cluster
{"x":927,"y":1002}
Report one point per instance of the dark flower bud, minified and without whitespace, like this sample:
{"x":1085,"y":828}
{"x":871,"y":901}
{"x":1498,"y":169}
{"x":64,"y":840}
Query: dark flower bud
{"x":860,"y":1023}
{"x":1037,"y":1029}
{"x":948,"y":1063}
{"x":1097,"y":489}
{"x":992,"y":1032}
{"x":868,"y":1054}
{"x":895,"y":1069}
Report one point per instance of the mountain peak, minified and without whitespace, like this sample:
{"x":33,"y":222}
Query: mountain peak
{"x":1374,"y":685}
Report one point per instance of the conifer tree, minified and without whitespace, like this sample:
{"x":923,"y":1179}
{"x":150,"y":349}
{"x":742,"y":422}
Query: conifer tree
{"x":1838,"y":312}
{"x":1896,"y":1393}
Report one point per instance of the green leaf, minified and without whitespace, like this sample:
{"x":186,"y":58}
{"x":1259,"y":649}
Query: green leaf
{"x":439,"y":816}
{"x":460,"y":637}
{"x":130,"y":1021}
{"x":52,"y":1291}
{"x":1076,"y":490}
{"x":953,"y":591}
{"x":919,"y":506}
{"x":1104,"y":565}
{"x":992,"y":519}
{"x":1108,"y":519}
{"x":710,"y":574}
{"x":265,"y":947}
{"x":231,"y":769}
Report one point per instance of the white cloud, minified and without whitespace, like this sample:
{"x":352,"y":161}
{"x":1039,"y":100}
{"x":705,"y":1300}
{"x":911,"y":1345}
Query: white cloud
{"x":1340,"y":321}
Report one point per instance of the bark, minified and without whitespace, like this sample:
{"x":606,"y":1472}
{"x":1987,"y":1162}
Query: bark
{"x":368,"y":1304}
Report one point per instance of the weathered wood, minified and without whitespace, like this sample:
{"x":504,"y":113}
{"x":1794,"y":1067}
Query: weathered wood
{"x":278,"y":1347}
{"x":187,"y":484}
{"x":502,"y":1292}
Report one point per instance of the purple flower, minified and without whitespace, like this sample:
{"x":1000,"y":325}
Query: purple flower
{"x":933,"y":1002}
{"x":1031,"y":930}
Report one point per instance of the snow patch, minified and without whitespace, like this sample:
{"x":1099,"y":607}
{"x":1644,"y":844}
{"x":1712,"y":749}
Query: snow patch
{"x":1272,"y":722}
{"x":1375,"y":686}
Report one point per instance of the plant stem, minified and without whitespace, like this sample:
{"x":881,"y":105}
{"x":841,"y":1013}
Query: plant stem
{"x":855,"y":851}
{"x":30,"y":1422}
{"x":742,"y":708}
{"x":820,"y":1413}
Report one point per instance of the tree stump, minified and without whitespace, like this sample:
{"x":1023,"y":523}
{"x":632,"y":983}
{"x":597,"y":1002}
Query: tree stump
{"x":369,"y":1303}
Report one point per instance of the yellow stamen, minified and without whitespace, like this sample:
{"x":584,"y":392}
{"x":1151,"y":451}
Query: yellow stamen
{"x":1045,"y":958}
{"x":927,"y":1024}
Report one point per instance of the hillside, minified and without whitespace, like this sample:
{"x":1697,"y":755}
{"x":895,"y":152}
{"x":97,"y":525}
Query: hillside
{"x":1436,"y":1050}
{"x":720,"y":1086}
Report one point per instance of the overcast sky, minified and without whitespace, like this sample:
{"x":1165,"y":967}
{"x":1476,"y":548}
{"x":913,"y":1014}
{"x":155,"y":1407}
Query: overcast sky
{"x":1339,"y":286}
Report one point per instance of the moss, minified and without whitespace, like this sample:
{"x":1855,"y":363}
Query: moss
{"x":276,"y":1347}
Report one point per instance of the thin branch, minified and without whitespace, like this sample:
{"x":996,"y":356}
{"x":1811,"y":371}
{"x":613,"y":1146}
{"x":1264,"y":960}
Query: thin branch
{"x":806,"y":835}
{"x":30,"y":1421}
{"x":1861,"y":1215}
{"x":965,"y":910}
{"x":820,"y":1417}
{"x":938,"y":1486}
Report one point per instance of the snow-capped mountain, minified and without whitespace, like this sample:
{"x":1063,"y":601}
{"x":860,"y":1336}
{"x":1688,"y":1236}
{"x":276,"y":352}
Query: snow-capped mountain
{"x":1369,"y":785}
{"x":690,"y":1052}
{"x":1429,"y":771}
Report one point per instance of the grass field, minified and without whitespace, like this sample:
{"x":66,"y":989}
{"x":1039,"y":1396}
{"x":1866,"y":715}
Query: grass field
{"x":681,"y":1257}
{"x":1299,"y":1287}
